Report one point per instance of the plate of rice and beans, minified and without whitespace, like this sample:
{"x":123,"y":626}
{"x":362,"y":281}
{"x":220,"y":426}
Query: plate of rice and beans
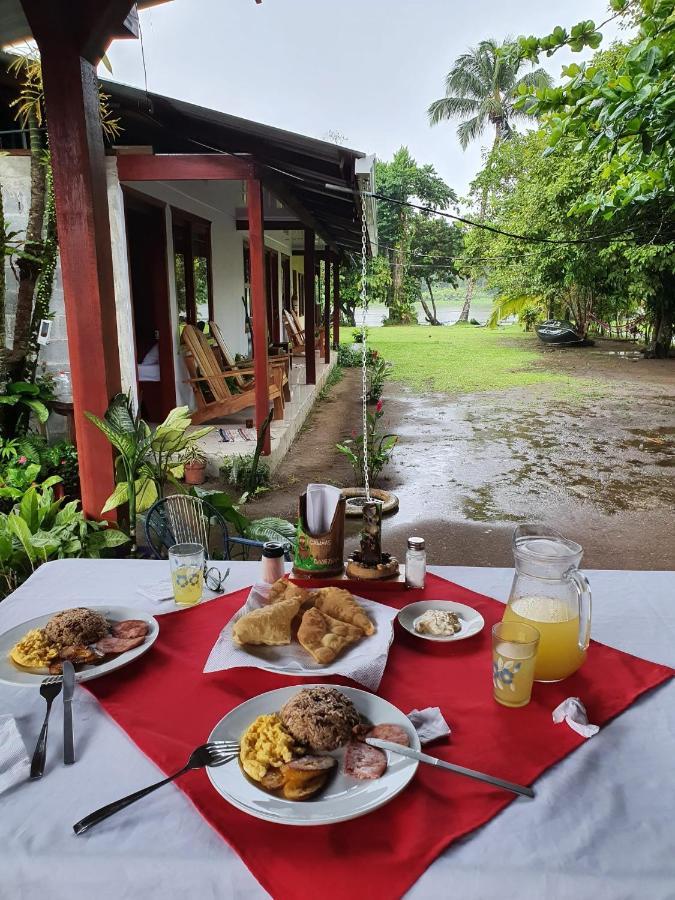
{"x":96,"y":639}
{"x":303,"y":758}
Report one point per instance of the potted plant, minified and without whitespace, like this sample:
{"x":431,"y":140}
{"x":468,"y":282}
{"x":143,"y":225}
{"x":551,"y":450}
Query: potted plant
{"x":194,"y":465}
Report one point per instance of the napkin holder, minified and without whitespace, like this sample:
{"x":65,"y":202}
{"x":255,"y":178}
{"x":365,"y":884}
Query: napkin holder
{"x":320,"y":555}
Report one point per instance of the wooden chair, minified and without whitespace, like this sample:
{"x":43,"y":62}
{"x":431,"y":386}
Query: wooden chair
{"x":320,"y":332}
{"x":210,"y":381}
{"x":281,"y":360}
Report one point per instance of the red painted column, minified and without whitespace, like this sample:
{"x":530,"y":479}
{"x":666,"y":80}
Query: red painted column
{"x":78,"y":163}
{"x":310,"y":309}
{"x":336,"y":302}
{"x":256,"y":249}
{"x":326,"y":306}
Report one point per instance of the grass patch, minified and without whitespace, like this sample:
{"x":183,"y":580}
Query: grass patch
{"x":464,"y":359}
{"x":335,"y":376}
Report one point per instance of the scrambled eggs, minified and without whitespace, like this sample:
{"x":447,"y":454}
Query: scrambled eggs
{"x":33,"y":651}
{"x":265,"y":744}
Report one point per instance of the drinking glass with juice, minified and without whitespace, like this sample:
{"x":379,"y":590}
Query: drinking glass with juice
{"x":187,"y":573}
{"x":514,"y":653}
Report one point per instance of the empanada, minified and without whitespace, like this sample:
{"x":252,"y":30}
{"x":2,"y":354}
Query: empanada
{"x":324,"y":637}
{"x":341,"y":605}
{"x":286,"y":590}
{"x":269,"y":625}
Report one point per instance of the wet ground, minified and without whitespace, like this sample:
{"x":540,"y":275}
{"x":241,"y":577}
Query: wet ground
{"x":594,"y":459}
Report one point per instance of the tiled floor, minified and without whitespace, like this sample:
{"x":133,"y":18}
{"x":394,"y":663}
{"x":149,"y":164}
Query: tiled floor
{"x":283,"y":432}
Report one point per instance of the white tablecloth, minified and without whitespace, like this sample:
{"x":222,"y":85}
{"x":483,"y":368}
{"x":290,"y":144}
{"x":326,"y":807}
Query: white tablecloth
{"x":601,"y":827}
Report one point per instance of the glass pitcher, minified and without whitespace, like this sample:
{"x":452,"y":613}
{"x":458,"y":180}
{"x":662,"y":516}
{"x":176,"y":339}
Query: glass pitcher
{"x":550,"y":592}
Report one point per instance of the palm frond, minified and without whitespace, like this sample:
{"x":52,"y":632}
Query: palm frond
{"x":451,"y":108}
{"x":503,"y":307}
{"x":470,"y":130}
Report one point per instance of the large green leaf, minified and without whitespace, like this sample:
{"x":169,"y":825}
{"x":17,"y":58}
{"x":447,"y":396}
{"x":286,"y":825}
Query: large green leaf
{"x":20,"y":530}
{"x":9,"y":399}
{"x":68,"y":514}
{"x":38,"y":407}
{"x":6,"y":547}
{"x":225,"y":505}
{"x":106,"y":538}
{"x":271,"y":528}
{"x":146,"y":493}
{"x":119,"y":496}
{"x":23,"y":387}
{"x":28,"y":509}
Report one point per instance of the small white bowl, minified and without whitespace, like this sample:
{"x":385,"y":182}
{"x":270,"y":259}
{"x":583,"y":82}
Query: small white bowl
{"x":471,"y":621}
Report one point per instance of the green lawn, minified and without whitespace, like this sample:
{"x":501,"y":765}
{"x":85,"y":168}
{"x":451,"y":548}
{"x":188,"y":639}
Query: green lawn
{"x":462,"y":359}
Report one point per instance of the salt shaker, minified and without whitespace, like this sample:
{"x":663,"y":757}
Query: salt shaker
{"x":415,"y":563}
{"x":272,"y":562}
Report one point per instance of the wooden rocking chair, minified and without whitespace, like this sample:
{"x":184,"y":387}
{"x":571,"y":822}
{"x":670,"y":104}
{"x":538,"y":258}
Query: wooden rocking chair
{"x":209,"y":380}
{"x":296,"y":331}
{"x":282,"y":360}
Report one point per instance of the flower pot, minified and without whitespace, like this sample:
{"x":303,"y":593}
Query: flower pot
{"x":195,"y":472}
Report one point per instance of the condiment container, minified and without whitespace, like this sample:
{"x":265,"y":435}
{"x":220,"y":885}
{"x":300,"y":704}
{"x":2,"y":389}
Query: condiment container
{"x":415,"y":563}
{"x":272,"y":563}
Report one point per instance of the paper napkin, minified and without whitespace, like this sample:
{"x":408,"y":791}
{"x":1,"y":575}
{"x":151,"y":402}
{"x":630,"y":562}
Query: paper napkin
{"x":574,"y":713}
{"x":14,"y":762}
{"x":429,"y":724}
{"x":363,"y":662}
{"x":156,"y":590}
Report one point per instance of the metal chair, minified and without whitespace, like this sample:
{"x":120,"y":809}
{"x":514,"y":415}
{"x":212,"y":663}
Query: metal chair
{"x":183,"y":519}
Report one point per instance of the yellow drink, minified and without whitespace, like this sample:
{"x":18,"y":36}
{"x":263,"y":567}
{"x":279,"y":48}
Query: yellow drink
{"x":187,"y":584}
{"x":512,"y":673}
{"x":558,"y":655}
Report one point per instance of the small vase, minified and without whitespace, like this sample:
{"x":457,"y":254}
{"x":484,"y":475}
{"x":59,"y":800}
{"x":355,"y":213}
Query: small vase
{"x":195,"y":472}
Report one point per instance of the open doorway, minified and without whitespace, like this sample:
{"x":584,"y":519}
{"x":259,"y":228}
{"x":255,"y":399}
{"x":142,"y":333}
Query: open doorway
{"x":146,"y":243}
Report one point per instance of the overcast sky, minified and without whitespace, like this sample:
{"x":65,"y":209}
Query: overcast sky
{"x":367,"y":69}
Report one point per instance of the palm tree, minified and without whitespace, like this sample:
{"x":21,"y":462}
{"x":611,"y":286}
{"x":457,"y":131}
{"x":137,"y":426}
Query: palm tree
{"x":480,"y":89}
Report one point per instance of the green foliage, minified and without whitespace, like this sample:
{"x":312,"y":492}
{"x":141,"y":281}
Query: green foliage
{"x":378,"y":372}
{"x":40,"y":528}
{"x":242,"y":471}
{"x":376,"y":450}
{"x":378,"y":279}
{"x":481,"y":88}
{"x":24,"y":399}
{"x":528,"y":309}
{"x":146,"y":461}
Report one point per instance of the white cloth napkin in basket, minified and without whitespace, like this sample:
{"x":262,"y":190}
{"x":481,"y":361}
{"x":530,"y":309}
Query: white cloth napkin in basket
{"x":363,"y":661}
{"x":14,"y":762}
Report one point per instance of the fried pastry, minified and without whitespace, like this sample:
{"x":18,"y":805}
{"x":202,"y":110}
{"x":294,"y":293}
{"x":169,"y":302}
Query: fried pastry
{"x":286,"y":590}
{"x":270,"y":625}
{"x":341,"y":605}
{"x":325,"y":637}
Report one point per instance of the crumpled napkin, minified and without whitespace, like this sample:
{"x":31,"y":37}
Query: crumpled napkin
{"x":429,"y":723}
{"x":14,"y":762}
{"x":574,"y":713}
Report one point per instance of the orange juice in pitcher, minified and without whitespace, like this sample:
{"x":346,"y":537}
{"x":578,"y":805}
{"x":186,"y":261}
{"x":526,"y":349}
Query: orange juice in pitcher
{"x":550,"y":593}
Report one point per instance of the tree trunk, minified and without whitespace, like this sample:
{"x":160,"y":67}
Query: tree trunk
{"x":30,"y":269}
{"x":429,"y":313}
{"x":464,"y":315}
{"x":664,"y":319}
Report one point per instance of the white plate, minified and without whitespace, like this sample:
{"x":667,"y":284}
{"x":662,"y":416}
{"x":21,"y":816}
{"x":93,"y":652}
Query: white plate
{"x":471,"y":621}
{"x":10,"y":673}
{"x":343,"y":797}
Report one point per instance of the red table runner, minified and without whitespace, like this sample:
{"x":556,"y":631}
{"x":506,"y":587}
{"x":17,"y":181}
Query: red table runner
{"x":168,"y":706}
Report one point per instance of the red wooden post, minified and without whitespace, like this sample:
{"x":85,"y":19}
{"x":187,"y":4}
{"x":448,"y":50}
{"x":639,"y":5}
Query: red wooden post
{"x":310,"y":309}
{"x":336,"y":302}
{"x":256,"y":249}
{"x":326,"y":307}
{"x":78,"y":163}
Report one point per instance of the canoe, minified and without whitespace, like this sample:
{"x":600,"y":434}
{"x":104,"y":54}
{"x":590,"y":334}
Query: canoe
{"x":559,"y":331}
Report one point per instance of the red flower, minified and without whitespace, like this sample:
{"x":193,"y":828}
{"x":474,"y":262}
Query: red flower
{"x":353,"y":432}
{"x":22,"y":460}
{"x":380,"y":404}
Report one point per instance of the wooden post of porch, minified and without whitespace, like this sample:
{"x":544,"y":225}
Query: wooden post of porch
{"x":310,"y":309}
{"x":256,"y":249}
{"x":336,"y":302}
{"x":78,"y":165}
{"x":326,"y":306}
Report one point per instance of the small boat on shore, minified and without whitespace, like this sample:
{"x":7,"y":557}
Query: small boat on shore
{"x":562,"y":333}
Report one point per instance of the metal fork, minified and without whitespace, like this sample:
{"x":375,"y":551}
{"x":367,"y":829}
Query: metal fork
{"x":214,"y":754}
{"x":50,"y":690}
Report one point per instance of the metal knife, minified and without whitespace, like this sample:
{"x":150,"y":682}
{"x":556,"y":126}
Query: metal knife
{"x":458,"y":770}
{"x":68,"y":689}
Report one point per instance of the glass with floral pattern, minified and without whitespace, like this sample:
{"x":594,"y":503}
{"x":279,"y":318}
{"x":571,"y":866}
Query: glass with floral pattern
{"x":187,"y":573}
{"x":514,"y":653}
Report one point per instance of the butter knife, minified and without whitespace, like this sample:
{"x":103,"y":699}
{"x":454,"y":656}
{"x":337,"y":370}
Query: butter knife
{"x":458,"y":770}
{"x":68,"y":689}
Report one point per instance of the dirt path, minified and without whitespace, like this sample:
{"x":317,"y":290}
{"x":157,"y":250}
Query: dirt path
{"x":596,"y":462}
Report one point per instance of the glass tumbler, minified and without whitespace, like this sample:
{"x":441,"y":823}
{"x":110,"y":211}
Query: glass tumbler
{"x":187,"y":573}
{"x":514,"y":653}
